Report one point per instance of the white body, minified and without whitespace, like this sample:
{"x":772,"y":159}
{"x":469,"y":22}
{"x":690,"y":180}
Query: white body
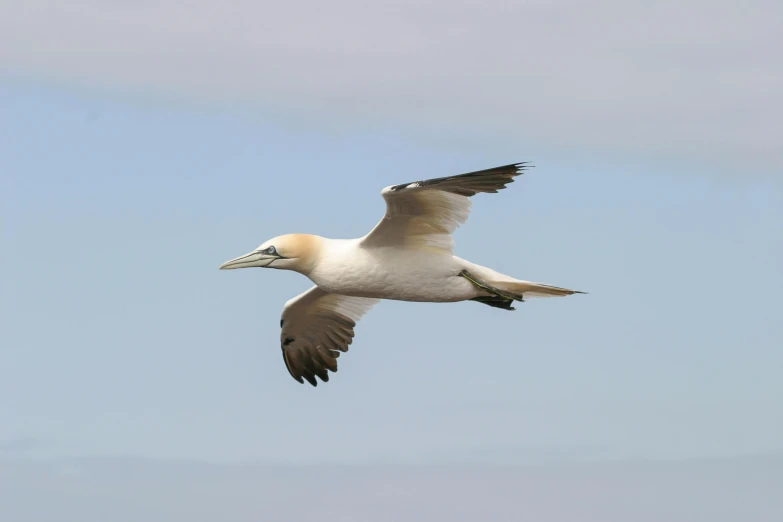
{"x":347,"y":267}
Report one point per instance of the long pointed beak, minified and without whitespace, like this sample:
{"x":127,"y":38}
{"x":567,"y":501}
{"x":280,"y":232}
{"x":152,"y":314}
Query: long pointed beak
{"x":248,"y":260}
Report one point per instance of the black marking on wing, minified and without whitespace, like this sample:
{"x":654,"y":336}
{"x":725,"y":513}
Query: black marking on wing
{"x":471,"y":183}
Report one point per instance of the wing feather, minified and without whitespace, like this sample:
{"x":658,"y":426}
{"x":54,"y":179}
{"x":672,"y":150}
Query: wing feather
{"x":315,"y":327}
{"x":424,"y":214}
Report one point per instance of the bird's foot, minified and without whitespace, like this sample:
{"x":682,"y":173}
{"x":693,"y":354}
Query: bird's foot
{"x":494,"y":291}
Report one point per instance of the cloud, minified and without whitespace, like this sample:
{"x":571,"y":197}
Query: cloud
{"x":696,"y":80}
{"x":133,"y":489}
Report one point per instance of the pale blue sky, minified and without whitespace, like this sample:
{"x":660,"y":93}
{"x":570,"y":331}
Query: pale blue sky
{"x":122,"y":194}
{"x":123,"y":337}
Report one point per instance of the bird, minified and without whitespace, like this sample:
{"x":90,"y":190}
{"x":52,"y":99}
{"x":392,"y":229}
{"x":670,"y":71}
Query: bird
{"x":407,"y":256}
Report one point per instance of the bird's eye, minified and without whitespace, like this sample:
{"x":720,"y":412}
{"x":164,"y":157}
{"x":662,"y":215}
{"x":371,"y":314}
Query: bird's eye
{"x":271,"y":250}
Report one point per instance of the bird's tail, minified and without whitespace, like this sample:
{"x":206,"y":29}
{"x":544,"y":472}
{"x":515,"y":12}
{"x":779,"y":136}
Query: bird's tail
{"x":529,"y":289}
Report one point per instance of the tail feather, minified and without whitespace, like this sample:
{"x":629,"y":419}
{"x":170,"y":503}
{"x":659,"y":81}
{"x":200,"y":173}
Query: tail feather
{"x":529,"y":289}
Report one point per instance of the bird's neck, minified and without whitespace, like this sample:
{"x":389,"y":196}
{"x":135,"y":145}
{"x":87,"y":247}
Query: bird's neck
{"x":328,"y":256}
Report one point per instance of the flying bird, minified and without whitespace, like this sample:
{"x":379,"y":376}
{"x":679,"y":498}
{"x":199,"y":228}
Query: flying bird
{"x":408,"y":256}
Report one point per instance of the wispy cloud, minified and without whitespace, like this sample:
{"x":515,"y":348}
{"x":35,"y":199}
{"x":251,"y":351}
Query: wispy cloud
{"x":696,"y":80}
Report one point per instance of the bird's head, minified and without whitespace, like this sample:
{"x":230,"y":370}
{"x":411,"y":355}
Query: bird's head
{"x":298,"y":252}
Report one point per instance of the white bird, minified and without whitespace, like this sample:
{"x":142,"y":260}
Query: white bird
{"x":408,"y":256}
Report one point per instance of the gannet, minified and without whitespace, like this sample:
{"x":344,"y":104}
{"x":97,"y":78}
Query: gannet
{"x":408,"y":256}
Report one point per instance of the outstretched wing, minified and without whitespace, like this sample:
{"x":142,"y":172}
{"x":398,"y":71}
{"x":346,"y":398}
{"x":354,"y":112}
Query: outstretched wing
{"x":423,"y":214}
{"x":315,"y":327}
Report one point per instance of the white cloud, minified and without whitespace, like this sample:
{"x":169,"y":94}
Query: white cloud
{"x":696,"y":80}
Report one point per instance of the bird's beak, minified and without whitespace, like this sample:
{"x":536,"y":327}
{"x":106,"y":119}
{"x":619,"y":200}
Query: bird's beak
{"x":254,"y":258}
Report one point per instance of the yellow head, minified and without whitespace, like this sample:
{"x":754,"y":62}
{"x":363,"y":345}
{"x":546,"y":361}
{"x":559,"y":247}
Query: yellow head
{"x":298,"y":252}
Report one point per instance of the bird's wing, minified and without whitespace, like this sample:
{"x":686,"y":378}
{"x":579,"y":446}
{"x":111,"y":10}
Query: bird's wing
{"x":423,"y":214}
{"x":314,"y":328}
